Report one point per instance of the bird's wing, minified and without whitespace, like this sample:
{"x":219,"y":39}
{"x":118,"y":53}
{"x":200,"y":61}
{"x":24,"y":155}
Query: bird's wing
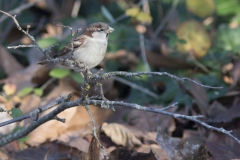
{"x":77,"y":42}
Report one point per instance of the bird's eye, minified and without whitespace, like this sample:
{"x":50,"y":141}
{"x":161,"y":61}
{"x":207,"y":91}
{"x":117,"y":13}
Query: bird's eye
{"x":101,"y":29}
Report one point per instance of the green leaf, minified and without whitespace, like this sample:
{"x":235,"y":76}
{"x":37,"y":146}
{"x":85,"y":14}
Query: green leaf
{"x":228,"y":39}
{"x":16,"y":112}
{"x":25,"y":91}
{"x":38,"y":91}
{"x":77,"y":77}
{"x":47,"y":42}
{"x":172,"y":38}
{"x":18,"y":128}
{"x":23,"y":139}
{"x":227,"y":7}
{"x":59,"y":73}
{"x":107,"y":14}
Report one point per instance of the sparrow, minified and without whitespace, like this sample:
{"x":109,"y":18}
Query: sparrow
{"x":89,"y":48}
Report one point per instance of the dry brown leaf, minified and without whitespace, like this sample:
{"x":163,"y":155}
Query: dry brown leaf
{"x":193,"y":137}
{"x":58,"y":150}
{"x":229,"y":114}
{"x":235,"y":73}
{"x":147,"y":121}
{"x":29,"y":103}
{"x":95,"y":152}
{"x":179,"y":150}
{"x":200,"y":96}
{"x":215,"y":109}
{"x":6,"y":104}
{"x":3,"y":154}
{"x":223,"y":147}
{"x":9,"y":64}
{"x":74,"y":139}
{"x":159,"y":152}
{"x":120,"y":135}
{"x":124,"y":154}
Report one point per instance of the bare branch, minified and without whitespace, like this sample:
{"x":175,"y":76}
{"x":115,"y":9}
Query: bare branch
{"x":132,"y":74}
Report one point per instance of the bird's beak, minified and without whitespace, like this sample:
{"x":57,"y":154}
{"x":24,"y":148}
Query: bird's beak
{"x":110,"y":29}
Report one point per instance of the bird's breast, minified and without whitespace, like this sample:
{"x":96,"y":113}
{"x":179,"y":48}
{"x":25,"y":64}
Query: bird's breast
{"x":91,"y":53}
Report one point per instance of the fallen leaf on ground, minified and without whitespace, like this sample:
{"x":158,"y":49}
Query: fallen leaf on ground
{"x":227,"y":115}
{"x":123,"y":153}
{"x":55,"y":149}
{"x":223,"y":147}
{"x":179,"y":150}
{"x":120,"y":135}
{"x":147,"y":121}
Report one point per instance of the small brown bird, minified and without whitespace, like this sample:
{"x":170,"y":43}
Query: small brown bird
{"x":89,"y":47}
